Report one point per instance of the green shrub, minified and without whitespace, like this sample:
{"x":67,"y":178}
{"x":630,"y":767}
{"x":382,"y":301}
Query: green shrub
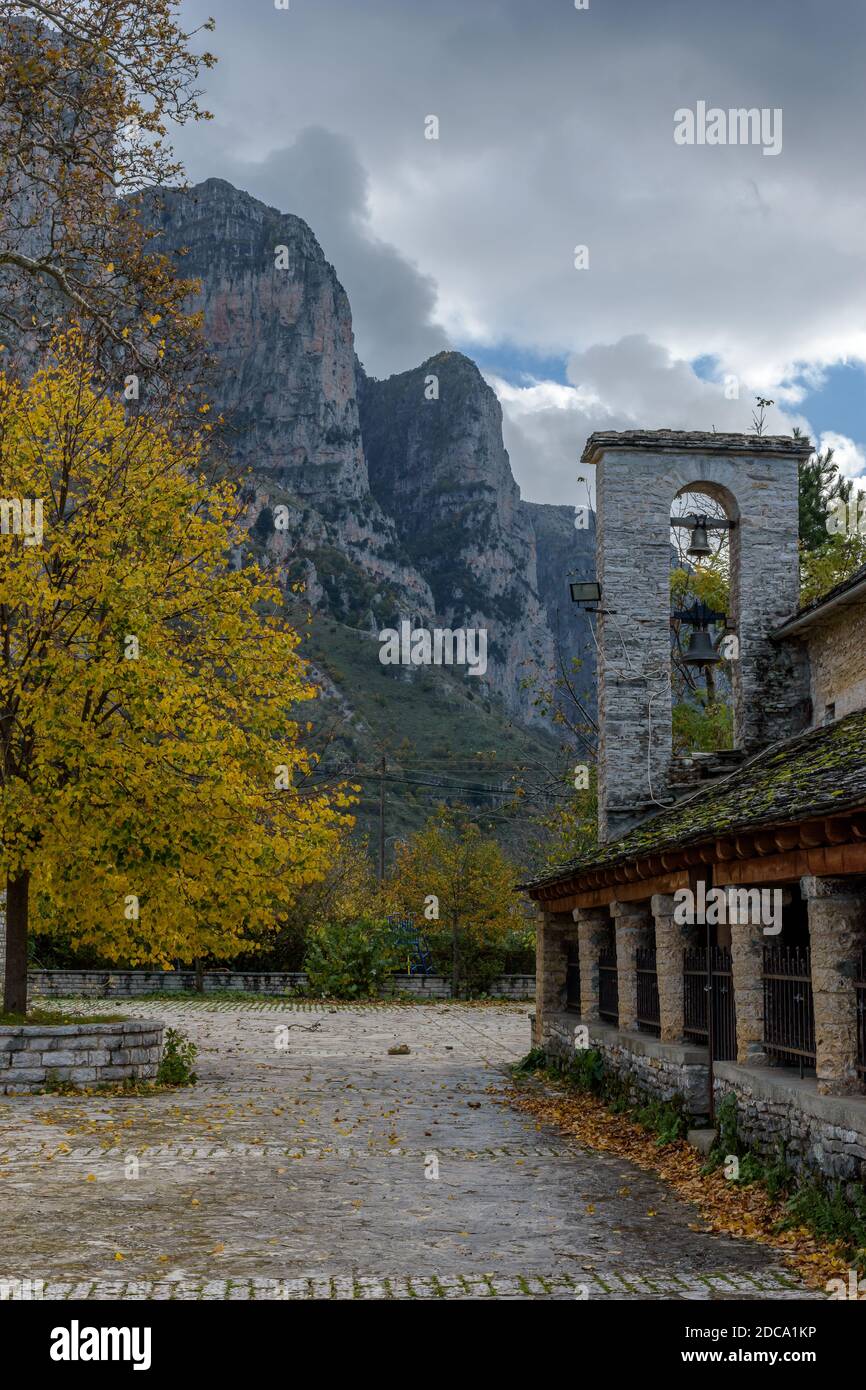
{"x":728,"y":1141}
{"x":664,"y":1118}
{"x":535,"y":1060}
{"x":350,"y":960}
{"x":586,"y":1071}
{"x":178,"y":1059}
{"x":832,"y":1213}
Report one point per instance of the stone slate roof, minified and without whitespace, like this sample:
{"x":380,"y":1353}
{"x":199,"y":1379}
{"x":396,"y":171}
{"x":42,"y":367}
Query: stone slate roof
{"x":703,"y":440}
{"x":821,"y":772}
{"x":852,"y":582}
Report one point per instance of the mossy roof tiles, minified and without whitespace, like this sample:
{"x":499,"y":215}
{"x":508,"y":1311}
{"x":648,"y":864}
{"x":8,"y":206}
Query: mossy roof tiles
{"x":821,"y":772}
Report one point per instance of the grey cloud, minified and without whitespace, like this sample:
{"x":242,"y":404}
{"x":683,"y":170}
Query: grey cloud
{"x":320,"y":178}
{"x":557,"y":129}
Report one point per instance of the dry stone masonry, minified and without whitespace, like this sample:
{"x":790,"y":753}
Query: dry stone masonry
{"x":85,"y":1054}
{"x":639,"y":476}
{"x":121,"y":984}
{"x":783,"y":812}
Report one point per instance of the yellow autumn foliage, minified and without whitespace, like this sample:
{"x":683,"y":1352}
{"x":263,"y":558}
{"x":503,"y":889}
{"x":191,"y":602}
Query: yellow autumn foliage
{"x":150,"y":755}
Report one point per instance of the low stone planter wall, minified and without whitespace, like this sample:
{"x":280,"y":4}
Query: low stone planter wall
{"x":85,"y":1054}
{"x":820,"y":1134}
{"x":127,"y":984}
{"x":123,"y":984}
{"x":663,"y":1071}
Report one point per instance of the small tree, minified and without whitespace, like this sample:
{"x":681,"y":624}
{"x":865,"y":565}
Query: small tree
{"x":347,"y":892}
{"x":461,"y":890}
{"x":822,"y":569}
{"x":152,"y":778}
{"x":820,"y":485}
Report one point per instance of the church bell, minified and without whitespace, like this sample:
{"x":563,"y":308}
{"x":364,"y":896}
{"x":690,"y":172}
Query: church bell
{"x":699,"y":544}
{"x":700,"y":651}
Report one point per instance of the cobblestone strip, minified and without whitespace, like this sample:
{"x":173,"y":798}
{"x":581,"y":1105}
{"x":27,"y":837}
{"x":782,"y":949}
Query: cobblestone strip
{"x":31,"y":1153}
{"x":280,"y":1004}
{"x":592,"y":1285}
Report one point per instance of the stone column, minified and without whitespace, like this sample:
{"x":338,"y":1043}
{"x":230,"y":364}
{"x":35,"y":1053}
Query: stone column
{"x":593,"y":932}
{"x":550,"y":969}
{"x":671,"y":940}
{"x":837,"y":933}
{"x":747,"y":959}
{"x":634,"y":930}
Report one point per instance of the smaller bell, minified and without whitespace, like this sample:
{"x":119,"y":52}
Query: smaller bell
{"x":699,"y":544}
{"x":700,"y":651}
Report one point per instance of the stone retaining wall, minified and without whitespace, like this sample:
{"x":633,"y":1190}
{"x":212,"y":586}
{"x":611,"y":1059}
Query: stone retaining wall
{"x":86,"y":1054}
{"x":654,"y":1069}
{"x":820,"y":1134}
{"x":106,"y":984}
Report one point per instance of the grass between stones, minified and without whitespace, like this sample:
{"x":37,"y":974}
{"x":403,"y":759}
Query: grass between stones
{"x":747,"y":1211}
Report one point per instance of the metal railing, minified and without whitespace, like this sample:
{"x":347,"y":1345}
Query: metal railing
{"x":789,"y":1016}
{"x":699,"y":986}
{"x":572,"y":980}
{"x":608,"y":985}
{"x":648,"y":1016}
{"x":860,"y":987}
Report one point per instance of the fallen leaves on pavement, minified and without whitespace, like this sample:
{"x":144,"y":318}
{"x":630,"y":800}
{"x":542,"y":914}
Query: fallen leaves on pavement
{"x":744,"y":1211}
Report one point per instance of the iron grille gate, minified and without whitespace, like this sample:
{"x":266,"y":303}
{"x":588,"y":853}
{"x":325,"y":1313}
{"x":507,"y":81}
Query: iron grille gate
{"x":697,"y":988}
{"x":860,"y":987}
{"x":572,"y":979}
{"x":648,"y":1009}
{"x":789,"y":1016}
{"x":608,"y":985}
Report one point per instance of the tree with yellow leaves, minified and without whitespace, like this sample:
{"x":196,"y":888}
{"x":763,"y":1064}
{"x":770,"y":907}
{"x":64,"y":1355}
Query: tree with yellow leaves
{"x":461,"y":891}
{"x":153,"y":792}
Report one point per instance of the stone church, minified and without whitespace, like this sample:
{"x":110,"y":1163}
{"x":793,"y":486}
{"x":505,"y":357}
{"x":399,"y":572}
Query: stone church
{"x":682,"y":1006}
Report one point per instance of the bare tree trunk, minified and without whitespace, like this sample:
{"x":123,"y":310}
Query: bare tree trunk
{"x":17,"y":914}
{"x":199,"y":974}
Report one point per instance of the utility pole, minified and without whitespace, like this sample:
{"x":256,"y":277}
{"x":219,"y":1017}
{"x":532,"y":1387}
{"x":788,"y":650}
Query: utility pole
{"x":382,"y":820}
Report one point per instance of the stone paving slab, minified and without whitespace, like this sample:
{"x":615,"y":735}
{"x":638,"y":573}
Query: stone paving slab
{"x":593,"y":1285}
{"x":311,"y":1164}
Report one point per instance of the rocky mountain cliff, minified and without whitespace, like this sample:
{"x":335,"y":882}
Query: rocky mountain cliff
{"x":401,"y":501}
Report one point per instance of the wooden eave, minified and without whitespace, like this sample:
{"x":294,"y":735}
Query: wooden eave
{"x":826,"y":846}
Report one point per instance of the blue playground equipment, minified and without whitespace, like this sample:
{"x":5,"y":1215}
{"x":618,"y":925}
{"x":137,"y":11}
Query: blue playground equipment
{"x":412,"y":944}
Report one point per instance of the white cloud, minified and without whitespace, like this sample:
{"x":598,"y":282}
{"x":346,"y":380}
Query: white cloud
{"x":631,"y":384}
{"x":849,"y":456}
{"x":556,"y":128}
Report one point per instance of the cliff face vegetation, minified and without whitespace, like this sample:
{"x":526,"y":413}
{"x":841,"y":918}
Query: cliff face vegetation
{"x":398,"y":505}
{"x":385,"y":500}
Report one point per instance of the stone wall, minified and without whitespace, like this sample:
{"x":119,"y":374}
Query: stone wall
{"x":820,"y":1134}
{"x":652,"y":1069}
{"x":836,"y":646}
{"x":639,"y":474}
{"x":107,"y":984}
{"x":86,"y":1054}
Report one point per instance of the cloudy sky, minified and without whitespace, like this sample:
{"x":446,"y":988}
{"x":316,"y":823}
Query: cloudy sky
{"x":715,"y":272}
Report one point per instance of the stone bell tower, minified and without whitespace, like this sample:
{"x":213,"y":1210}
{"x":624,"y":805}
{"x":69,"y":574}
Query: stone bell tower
{"x":639,"y":474}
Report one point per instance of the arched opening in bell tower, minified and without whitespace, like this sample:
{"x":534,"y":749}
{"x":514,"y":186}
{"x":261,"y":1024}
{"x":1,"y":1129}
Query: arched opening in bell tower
{"x":704,"y":576}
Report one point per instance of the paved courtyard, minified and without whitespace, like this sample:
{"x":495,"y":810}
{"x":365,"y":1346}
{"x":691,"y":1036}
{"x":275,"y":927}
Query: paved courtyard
{"x":331,"y":1169}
